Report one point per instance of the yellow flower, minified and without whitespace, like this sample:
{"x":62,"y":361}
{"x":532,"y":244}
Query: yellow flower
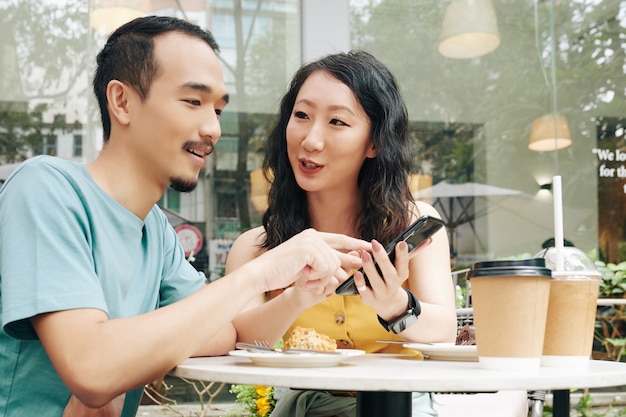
{"x":262,"y":406}
{"x":258,"y":400}
{"x":261,"y":390}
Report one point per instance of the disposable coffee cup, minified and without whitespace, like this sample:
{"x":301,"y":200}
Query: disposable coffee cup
{"x":568,"y":340}
{"x":510,"y":304}
{"x":570,"y":324}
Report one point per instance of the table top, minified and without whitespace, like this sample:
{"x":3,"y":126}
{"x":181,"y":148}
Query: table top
{"x":611,"y":301}
{"x":385,"y":373}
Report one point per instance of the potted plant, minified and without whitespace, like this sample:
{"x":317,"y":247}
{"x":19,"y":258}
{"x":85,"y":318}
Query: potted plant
{"x":610,"y":332}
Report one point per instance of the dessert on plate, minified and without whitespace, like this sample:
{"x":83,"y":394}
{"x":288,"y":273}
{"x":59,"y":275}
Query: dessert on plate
{"x":309,"y":339}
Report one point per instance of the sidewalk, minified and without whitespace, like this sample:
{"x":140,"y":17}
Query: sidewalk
{"x":186,"y":410}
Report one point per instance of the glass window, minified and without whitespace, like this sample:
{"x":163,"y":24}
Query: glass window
{"x":78,"y":146}
{"x":475,"y":115}
{"x":49,"y":146}
{"x":170,"y":200}
{"x":472,"y":116}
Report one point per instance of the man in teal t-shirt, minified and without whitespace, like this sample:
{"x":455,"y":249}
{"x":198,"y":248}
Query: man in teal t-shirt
{"x":97,"y":298}
{"x":111,"y":261}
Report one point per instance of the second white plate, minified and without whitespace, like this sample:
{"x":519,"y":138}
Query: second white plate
{"x":297,"y":360}
{"x":446,"y":351}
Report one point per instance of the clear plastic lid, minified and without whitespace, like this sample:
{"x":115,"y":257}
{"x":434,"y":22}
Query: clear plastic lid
{"x":574,"y":260}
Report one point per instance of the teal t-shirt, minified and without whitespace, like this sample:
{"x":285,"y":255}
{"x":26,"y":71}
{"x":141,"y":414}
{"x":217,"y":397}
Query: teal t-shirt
{"x":66,"y":244}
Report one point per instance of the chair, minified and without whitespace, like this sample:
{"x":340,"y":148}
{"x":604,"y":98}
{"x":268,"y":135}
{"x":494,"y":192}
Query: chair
{"x":496,"y":404}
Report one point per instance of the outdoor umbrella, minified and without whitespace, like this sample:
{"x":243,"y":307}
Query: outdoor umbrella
{"x":515,"y":222}
{"x":455,"y":202}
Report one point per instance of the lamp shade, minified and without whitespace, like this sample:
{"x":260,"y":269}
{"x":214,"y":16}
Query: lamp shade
{"x":259,"y":189}
{"x":419,"y":182}
{"x":469,"y":29}
{"x":549,"y":133}
{"x":108,"y":15}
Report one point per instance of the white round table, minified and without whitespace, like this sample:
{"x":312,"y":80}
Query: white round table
{"x":384,"y":383}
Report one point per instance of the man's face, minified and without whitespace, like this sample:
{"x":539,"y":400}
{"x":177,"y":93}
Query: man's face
{"x":176,"y":127}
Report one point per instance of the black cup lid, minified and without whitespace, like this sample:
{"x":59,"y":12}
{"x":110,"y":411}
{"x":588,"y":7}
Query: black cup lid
{"x":511,"y":268}
{"x":540,"y":262}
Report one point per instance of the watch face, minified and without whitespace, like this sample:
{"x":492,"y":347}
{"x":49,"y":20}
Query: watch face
{"x":400,"y":325}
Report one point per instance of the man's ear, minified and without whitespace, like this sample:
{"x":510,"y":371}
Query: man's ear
{"x":118,"y":101}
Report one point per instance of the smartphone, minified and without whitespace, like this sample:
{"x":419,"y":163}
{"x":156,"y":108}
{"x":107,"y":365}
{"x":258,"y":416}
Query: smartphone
{"x":414,"y":235}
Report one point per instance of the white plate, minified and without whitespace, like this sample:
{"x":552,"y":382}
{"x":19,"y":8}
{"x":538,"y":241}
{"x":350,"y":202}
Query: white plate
{"x":446,"y":351}
{"x":297,"y":360}
{"x":395,"y":355}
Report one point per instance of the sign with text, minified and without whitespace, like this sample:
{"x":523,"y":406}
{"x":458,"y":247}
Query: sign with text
{"x":611,"y":170}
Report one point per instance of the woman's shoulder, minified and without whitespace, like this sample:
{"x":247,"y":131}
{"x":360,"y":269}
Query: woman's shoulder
{"x":419,"y":208}
{"x":251,"y":237}
{"x":247,"y":246}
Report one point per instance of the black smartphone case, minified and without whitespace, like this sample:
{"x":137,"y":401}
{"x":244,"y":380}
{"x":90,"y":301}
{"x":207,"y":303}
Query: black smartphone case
{"x":414,"y":235}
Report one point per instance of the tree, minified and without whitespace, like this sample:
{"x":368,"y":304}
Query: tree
{"x":46,"y":64}
{"x":571,"y":50}
{"x":259,"y":75}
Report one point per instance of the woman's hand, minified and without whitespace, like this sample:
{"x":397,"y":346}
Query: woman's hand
{"x":384,"y":294}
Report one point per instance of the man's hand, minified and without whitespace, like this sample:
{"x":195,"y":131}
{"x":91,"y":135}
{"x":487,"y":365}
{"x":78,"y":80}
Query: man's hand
{"x":75,"y":408}
{"x":320,"y":261}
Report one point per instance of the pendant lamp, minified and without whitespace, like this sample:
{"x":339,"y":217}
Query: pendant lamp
{"x":549,"y":133}
{"x":259,"y":189}
{"x":469,"y":29}
{"x":108,"y":15}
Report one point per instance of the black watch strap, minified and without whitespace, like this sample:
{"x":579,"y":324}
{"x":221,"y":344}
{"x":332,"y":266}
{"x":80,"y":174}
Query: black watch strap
{"x":407,"y":319}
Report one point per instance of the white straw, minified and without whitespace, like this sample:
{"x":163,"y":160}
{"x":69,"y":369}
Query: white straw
{"x":558,"y":222}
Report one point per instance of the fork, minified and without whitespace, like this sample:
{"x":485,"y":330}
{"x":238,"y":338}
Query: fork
{"x":266,"y":345}
{"x":255,"y":347}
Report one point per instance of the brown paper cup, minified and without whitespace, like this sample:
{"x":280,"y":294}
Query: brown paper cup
{"x":568,"y":340}
{"x":510,"y":308}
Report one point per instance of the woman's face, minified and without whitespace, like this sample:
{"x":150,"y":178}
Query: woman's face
{"x":328,"y":135}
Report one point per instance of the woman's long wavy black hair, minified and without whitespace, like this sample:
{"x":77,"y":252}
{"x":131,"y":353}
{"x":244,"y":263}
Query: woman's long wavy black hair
{"x":383,"y":181}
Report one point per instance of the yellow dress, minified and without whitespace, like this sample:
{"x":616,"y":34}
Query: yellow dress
{"x":352,"y":323}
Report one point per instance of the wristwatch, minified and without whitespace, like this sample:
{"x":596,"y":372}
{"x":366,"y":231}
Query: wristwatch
{"x":407,"y":319}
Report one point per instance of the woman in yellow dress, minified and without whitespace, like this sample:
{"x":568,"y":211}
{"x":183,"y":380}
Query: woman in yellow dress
{"x":340,"y":158}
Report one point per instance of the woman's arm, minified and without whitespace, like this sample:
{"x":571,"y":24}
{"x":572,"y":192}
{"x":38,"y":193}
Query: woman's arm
{"x":429,"y":277}
{"x":270,"y":320}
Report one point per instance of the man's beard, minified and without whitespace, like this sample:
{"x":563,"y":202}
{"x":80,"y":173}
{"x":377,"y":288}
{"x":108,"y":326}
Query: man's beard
{"x":183,"y":185}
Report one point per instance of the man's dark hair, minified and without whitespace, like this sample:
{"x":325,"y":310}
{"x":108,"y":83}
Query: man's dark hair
{"x":550,"y":243}
{"x":128,"y":56}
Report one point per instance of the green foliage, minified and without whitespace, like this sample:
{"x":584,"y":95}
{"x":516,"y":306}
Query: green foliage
{"x":21,"y":132}
{"x":616,"y":344}
{"x":42,"y":64}
{"x":447,"y":149}
{"x":613,"y":282}
{"x":252,"y":400}
{"x":584,"y":408}
{"x":460,"y":293}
